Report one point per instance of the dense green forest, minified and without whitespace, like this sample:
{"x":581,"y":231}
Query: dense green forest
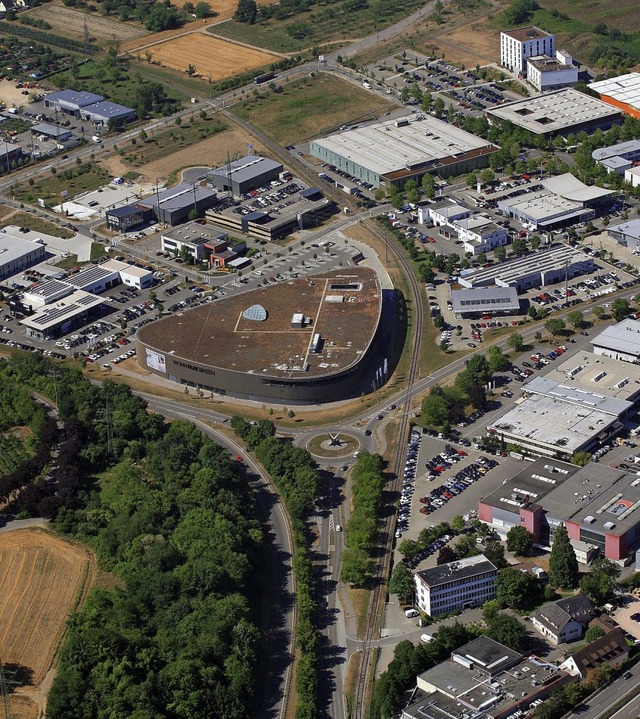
{"x":171,"y":515}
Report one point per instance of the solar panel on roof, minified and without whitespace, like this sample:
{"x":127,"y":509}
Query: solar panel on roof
{"x":256,"y":313}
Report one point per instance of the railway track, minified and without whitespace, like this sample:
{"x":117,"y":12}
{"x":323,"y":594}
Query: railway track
{"x":362,"y":695}
{"x":363,"y":687}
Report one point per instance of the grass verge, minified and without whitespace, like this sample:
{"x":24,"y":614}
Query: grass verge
{"x":310,"y":107}
{"x":36,"y":224}
{"x":82,"y":178}
{"x":166,"y":143}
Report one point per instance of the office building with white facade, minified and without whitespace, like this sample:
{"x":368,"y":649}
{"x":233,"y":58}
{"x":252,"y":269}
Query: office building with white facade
{"x":457,"y":585}
{"x":552,"y":73}
{"x":517,"y":45}
{"x":480,"y":234}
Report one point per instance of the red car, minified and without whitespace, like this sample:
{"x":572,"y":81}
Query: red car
{"x":238,"y":458}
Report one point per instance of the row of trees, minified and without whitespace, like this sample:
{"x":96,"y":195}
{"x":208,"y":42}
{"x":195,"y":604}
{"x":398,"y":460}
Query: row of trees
{"x":292,"y":470}
{"x":361,"y":532}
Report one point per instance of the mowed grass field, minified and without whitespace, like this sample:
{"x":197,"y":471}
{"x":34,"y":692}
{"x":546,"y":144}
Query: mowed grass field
{"x":311,"y":107}
{"x":41,"y":582}
{"x":212,"y":57}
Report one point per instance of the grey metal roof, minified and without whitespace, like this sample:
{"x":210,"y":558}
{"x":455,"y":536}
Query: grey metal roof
{"x":571,"y":188}
{"x":385,"y":147}
{"x":629,"y":229}
{"x":554,"y":111}
{"x":489,"y":654}
{"x":454,"y":571}
{"x":177,"y":197}
{"x":246,"y":168}
{"x":579,"y":396}
{"x":107,"y":110}
{"x":485,"y":299}
{"x":73,"y":97}
{"x":623,"y":337}
{"x":46,"y":128}
{"x":621,"y":149}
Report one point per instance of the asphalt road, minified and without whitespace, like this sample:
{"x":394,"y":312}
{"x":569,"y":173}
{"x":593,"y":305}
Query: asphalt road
{"x":283,"y":603}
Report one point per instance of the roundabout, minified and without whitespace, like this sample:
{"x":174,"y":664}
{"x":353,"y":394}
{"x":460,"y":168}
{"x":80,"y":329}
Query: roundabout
{"x":332,"y":444}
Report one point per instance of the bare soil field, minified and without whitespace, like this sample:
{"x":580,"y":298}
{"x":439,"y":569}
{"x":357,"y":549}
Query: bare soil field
{"x":11,"y":96}
{"x":70,"y":23}
{"x":42,"y":579}
{"x":213,"y":152}
{"x":472,"y":44}
{"x":212,"y":57}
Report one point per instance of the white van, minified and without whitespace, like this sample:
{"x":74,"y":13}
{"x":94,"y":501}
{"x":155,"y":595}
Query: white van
{"x":411,"y":613}
{"x":426,"y":638}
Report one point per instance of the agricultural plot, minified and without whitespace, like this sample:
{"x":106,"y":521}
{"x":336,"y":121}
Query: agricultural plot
{"x":41,"y":581}
{"x":212,"y":57}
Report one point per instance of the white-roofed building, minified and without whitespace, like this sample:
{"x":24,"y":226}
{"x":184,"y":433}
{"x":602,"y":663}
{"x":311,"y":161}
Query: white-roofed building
{"x":557,"y":113}
{"x":632,"y":176}
{"x":622,"y":92}
{"x":391,"y":152}
{"x":551,"y":73}
{"x":618,"y":158}
{"x":61,"y":316}
{"x":545,"y":267}
{"x":17,"y":254}
{"x":485,"y":300}
{"x":442,"y":215}
{"x":626,"y":234}
{"x":621,"y":341}
{"x":480,"y":233}
{"x":564,"y":200}
{"x":131,"y":275}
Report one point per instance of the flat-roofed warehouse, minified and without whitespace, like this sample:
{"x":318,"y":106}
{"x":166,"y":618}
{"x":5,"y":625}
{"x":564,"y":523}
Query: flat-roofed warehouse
{"x":17,"y":254}
{"x":557,"y":113}
{"x":312,"y":339}
{"x":240,"y":176}
{"x":622,"y":92}
{"x":562,"y":201}
{"x":598,"y":505}
{"x":391,"y":152}
{"x":485,"y":300}
{"x":621,"y":341}
{"x":545,"y":267}
{"x":589,"y":371}
{"x":558,"y":419}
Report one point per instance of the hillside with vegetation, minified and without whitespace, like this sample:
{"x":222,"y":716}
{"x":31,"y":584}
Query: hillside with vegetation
{"x":170,"y":514}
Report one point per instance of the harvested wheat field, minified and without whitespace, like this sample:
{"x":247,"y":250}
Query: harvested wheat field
{"x":42,"y":578}
{"x":212,"y":57}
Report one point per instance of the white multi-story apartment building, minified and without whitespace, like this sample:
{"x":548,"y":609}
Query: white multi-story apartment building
{"x":457,"y":585}
{"x":516,"y":46}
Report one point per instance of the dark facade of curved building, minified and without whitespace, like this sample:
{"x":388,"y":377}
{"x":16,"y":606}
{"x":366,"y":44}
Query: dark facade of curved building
{"x":342,"y":346}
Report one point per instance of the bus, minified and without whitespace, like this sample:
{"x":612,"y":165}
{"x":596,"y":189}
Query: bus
{"x":265,"y":77}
